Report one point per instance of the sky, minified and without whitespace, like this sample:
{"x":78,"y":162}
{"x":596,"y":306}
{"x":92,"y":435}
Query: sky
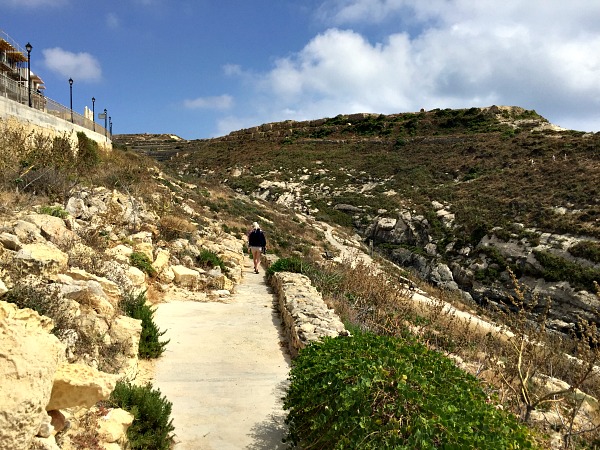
{"x":203,"y":68}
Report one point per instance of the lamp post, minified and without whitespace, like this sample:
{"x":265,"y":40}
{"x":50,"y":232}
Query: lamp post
{"x":105,"y":116}
{"x":110,"y":126}
{"x":71,"y":96}
{"x":29,"y":47}
{"x":94,"y":112}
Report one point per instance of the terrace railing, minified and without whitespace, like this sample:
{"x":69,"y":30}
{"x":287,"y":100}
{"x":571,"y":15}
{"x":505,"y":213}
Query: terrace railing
{"x":17,"y":91}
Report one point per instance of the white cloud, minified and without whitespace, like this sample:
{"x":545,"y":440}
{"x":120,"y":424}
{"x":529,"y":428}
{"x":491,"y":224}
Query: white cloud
{"x":221,"y":102}
{"x":79,"y":66}
{"x":458,"y":53}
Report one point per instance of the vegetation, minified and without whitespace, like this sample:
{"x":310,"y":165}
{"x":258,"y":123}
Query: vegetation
{"x":209,"y":259}
{"x":152,"y":426}
{"x":135,"y":306}
{"x":142,"y":262}
{"x":376,"y":392}
{"x":56,"y":211}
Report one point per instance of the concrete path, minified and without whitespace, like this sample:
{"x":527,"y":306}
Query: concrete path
{"x":225,"y":369}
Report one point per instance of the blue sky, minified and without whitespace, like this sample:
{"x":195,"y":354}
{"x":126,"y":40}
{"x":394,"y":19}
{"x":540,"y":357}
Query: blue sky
{"x":203,"y":68}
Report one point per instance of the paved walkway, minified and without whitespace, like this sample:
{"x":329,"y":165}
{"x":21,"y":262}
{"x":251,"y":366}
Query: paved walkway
{"x":225,"y":369}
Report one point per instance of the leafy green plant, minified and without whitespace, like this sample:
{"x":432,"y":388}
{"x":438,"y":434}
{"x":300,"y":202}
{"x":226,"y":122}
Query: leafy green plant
{"x":556,"y":268}
{"x":152,"y":426}
{"x":142,"y":262}
{"x":210,"y":259}
{"x":56,"y":211}
{"x":150,"y":344}
{"x":376,"y":392}
{"x":294,"y":265}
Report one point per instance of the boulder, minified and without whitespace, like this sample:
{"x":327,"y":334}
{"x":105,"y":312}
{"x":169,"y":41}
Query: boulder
{"x":42,"y":258}
{"x":121,"y":253}
{"x":185,"y":276}
{"x":110,"y":288}
{"x":29,"y":358}
{"x":137,"y":277}
{"x":3,"y":288}
{"x":161,"y":261}
{"x":52,"y":228}
{"x":10,"y":241}
{"x":27,"y":232}
{"x":146,"y":248}
{"x":127,"y":331}
{"x":79,"y":385}
{"x":113,"y":426}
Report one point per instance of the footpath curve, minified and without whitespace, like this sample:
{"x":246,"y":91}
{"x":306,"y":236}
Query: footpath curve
{"x":225,"y":369}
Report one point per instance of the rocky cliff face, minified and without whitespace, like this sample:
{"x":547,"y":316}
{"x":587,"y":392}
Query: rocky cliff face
{"x":479,"y":270}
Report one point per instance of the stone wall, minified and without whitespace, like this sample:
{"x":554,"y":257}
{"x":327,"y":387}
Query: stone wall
{"x":16,"y":115}
{"x":305,"y":316}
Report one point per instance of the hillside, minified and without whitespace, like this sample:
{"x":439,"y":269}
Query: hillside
{"x":455,"y":195}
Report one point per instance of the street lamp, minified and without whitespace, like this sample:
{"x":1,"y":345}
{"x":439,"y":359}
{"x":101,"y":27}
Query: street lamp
{"x":105,"y":116}
{"x":71,"y":96}
{"x":110,"y":126}
{"x":29,"y":47}
{"x":94,"y":112}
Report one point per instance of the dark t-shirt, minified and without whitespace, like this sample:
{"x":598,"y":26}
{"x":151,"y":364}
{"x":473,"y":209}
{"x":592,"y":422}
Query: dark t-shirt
{"x":257,"y":239}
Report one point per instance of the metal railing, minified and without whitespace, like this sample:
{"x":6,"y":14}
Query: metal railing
{"x":17,"y":91}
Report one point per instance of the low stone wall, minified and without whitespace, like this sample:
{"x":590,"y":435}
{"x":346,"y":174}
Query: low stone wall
{"x":305,"y":316}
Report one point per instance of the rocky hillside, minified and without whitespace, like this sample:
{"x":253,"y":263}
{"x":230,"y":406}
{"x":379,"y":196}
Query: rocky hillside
{"x":458,"y":196}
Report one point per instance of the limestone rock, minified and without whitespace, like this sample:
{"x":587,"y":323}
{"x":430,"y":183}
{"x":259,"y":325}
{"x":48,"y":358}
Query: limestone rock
{"x":27,"y":232}
{"x":42,"y":258}
{"x":10,"y":241}
{"x":161,"y":261}
{"x":79,"y":385}
{"x":185,"y":276}
{"x":29,"y":357}
{"x":137,"y":277}
{"x":127,"y":331}
{"x":113,"y":426}
{"x":110,"y":288}
{"x":121,"y":253}
{"x":146,"y":248}
{"x":52,"y":228}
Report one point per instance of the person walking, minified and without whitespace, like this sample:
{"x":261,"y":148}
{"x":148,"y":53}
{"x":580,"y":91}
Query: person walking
{"x":257,"y":243}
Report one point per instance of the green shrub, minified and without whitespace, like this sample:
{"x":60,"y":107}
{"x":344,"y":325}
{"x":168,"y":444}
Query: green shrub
{"x":375,"y":392}
{"x":135,"y":306}
{"x":556,"y":268}
{"x":55,"y":211}
{"x":88,"y":154}
{"x":295,"y":265}
{"x":152,"y":427}
{"x":142,"y":262}
{"x":587,"y":249}
{"x":209,"y":259}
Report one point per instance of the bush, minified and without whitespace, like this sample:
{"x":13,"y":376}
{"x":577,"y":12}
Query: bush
{"x":375,"y":392}
{"x":135,"y":306}
{"x":556,"y":268}
{"x":142,"y":262}
{"x":152,"y":426}
{"x":209,"y":259}
{"x":288,"y":265}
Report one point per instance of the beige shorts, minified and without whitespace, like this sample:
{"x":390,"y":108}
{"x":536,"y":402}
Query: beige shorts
{"x":258,"y":249}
